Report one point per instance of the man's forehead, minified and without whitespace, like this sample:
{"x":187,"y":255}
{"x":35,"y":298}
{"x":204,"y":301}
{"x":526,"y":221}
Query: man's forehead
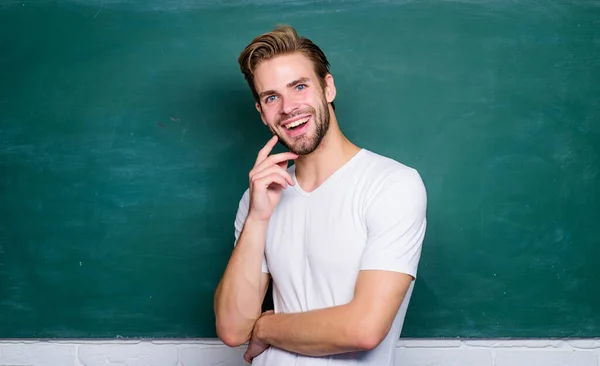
{"x":280,"y":71}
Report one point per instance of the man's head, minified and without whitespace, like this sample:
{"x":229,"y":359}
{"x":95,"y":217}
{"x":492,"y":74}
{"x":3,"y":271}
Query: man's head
{"x":290,"y":80}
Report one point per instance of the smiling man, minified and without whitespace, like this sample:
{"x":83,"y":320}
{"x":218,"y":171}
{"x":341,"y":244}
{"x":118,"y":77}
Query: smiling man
{"x":339,"y":231}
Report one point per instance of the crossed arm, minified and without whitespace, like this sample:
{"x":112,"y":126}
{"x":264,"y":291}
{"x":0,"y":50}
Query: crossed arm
{"x":356,"y":326}
{"x":396,"y":223}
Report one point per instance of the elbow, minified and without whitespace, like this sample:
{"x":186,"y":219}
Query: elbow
{"x":368,"y":341}
{"x":231,"y":340}
{"x":231,"y":337}
{"x":231,"y":329}
{"x":231,"y":333}
{"x":367,"y":338}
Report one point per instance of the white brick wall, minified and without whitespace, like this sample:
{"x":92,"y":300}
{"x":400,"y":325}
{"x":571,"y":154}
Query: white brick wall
{"x":411,"y":352}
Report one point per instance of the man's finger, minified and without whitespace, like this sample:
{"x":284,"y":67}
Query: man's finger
{"x":264,"y":152}
{"x":283,"y":164}
{"x":274,"y":169}
{"x":275,"y":159}
{"x":280,"y":159}
{"x":272,"y":178}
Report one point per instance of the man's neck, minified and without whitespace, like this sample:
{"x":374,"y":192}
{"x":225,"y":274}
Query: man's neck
{"x":334,"y":151}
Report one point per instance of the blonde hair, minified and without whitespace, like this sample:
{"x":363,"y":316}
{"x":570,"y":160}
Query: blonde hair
{"x":283,"y":39}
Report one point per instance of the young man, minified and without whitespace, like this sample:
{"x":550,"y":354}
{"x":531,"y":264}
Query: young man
{"x":339,"y":231}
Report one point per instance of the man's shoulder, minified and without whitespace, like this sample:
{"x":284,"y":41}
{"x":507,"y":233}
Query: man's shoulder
{"x":381,"y":169}
{"x":390,"y":185}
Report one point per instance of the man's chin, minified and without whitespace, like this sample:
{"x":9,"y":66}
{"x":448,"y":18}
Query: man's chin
{"x":302,"y":148}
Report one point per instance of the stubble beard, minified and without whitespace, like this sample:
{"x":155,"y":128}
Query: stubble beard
{"x":306,"y":144}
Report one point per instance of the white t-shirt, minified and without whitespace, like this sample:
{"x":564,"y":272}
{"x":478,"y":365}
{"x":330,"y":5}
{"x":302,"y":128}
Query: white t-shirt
{"x":370,"y":214}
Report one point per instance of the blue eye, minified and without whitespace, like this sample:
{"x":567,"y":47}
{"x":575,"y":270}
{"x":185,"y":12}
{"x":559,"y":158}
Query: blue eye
{"x":300,"y":87}
{"x":270,"y":99}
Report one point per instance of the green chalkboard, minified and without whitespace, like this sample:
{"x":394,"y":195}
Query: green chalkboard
{"x":127,"y":133}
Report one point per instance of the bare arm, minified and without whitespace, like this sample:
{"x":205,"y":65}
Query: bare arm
{"x":241,"y":291}
{"x":357,"y":326}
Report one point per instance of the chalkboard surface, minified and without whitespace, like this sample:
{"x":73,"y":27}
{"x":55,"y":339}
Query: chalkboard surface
{"x":127,"y":133}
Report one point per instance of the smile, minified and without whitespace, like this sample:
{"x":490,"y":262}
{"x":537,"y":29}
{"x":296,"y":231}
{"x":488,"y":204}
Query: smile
{"x":297,"y":123}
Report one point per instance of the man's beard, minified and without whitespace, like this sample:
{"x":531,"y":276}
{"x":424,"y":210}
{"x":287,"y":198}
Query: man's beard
{"x":305,"y":144}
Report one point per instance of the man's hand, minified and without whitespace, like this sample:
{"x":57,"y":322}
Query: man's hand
{"x":268,"y":178}
{"x":241,"y":291}
{"x":256,"y":346}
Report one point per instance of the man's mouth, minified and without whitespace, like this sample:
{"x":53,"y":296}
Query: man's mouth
{"x":295,"y":124}
{"x":297,"y":127}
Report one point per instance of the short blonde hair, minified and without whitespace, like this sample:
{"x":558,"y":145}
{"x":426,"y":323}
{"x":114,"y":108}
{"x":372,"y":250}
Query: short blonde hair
{"x":283,"y":39}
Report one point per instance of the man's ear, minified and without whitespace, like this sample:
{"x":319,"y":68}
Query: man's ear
{"x":259,"y":109}
{"x":330,"y":90}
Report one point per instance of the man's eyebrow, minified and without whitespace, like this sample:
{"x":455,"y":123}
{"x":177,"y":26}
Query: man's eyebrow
{"x":296,"y":82}
{"x":289,"y":85}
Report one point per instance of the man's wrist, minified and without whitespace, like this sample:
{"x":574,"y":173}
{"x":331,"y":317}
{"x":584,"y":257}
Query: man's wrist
{"x":257,"y":222}
{"x":260,"y":327}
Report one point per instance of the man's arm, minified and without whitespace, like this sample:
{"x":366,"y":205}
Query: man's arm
{"x":357,"y":326}
{"x":241,"y":291}
{"x":396,"y":222}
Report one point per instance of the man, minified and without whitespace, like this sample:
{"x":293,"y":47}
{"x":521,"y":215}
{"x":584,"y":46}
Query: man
{"x":339,"y":231}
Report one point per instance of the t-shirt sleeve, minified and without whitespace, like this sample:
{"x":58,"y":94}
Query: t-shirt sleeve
{"x":396,"y":223}
{"x":240,"y":219}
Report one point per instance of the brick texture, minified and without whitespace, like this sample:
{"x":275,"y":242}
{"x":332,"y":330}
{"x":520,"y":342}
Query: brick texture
{"x":114,"y":354}
{"x":36,"y":354}
{"x":549,"y":358}
{"x":410,"y":352}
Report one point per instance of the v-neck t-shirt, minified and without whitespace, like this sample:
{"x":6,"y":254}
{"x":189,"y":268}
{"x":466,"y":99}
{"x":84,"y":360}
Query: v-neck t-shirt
{"x":370,"y":214}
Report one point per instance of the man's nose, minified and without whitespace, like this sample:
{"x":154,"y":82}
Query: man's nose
{"x":288,"y":105}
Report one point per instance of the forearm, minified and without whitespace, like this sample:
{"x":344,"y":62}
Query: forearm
{"x":316,"y":333}
{"x":239,"y":295}
{"x":360,"y":325}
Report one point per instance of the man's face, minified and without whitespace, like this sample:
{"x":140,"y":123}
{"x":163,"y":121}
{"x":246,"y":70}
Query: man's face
{"x":292,"y":102}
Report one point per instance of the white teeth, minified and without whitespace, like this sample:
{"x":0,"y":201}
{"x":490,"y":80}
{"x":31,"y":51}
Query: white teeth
{"x":297,"y":123}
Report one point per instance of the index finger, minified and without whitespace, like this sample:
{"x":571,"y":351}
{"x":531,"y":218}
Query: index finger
{"x":280,"y":159}
{"x":264,"y":152}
